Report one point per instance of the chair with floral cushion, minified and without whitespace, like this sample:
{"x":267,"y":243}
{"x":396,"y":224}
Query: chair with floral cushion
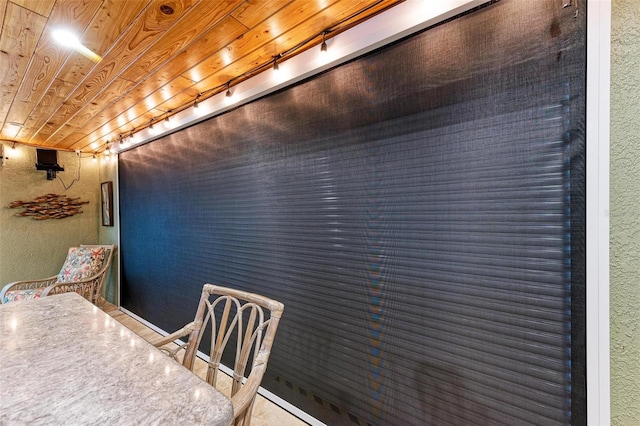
{"x":84,"y":272}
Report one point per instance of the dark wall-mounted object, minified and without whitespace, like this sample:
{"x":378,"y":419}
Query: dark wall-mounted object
{"x":47,"y":159}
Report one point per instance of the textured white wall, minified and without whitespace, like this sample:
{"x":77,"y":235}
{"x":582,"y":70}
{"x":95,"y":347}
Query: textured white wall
{"x":37,"y":248}
{"x":625,"y":213}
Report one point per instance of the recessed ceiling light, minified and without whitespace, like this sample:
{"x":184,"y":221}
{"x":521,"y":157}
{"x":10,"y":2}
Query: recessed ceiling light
{"x":166,"y":9}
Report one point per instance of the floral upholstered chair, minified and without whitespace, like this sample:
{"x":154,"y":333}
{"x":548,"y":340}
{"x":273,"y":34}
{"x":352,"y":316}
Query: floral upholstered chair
{"x":84,"y":272}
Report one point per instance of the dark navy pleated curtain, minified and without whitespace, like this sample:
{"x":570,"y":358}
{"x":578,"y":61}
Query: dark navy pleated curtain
{"x":419,"y":211}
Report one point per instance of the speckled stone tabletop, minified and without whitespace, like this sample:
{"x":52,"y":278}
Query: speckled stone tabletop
{"x":64,"y":361}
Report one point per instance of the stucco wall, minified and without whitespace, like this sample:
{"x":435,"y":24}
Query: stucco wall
{"x":625,"y":213}
{"x":37,"y":248}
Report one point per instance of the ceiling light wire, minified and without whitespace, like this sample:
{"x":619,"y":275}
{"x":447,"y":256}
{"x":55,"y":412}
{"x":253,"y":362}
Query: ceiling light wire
{"x":340,"y":26}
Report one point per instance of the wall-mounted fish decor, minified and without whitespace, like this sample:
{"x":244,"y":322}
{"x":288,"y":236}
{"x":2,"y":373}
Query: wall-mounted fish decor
{"x":49,"y":206}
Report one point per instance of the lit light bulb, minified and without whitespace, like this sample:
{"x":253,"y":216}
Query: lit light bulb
{"x":68,"y":39}
{"x":228,"y":96}
{"x":199,"y":109}
{"x":281,"y":74}
{"x":153,"y":130}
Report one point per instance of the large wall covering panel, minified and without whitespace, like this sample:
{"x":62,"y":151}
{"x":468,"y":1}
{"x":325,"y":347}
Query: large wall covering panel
{"x":419,"y":212}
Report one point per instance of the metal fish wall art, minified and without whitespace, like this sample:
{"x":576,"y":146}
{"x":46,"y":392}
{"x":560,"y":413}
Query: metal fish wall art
{"x":49,"y":206}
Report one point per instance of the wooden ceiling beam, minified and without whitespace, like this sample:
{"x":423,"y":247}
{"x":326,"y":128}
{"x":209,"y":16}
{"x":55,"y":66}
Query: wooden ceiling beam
{"x":262,"y":35}
{"x":48,"y":59}
{"x":21,"y":31}
{"x":153,"y":61}
{"x":165,"y":46}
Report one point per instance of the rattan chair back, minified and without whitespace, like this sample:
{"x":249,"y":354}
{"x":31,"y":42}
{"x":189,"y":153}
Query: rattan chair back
{"x":239,"y":327}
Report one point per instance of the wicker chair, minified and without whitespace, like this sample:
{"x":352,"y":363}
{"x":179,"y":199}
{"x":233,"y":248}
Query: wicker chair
{"x":237,"y":312}
{"x":84,"y":272}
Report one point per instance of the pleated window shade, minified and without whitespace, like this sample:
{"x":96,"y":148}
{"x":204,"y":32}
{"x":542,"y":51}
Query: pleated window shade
{"x":423,"y":226}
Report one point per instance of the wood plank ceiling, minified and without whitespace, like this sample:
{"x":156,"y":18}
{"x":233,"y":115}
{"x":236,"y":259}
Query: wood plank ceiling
{"x":158,"y":56}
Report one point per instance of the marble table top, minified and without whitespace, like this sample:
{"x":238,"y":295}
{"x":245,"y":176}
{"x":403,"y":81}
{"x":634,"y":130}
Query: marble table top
{"x":64,"y":361}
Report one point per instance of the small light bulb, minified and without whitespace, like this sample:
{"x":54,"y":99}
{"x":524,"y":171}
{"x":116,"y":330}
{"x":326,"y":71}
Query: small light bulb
{"x":65,"y":38}
{"x":228,"y":97}
{"x":153,"y":130}
{"x":200,"y":110}
{"x":323,"y":46}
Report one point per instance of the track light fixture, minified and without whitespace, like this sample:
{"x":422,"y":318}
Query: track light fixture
{"x":199,"y":110}
{"x":153,"y":130}
{"x":323,"y":46}
{"x":13,"y":146}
